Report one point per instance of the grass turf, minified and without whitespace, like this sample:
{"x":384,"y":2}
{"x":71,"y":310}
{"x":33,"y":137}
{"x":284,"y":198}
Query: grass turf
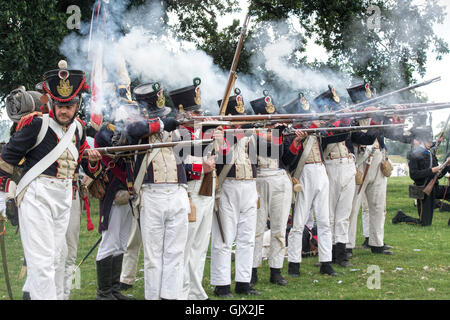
{"x":418,"y":270}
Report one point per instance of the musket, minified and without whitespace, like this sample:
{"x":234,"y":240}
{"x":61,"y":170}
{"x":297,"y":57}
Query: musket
{"x":291,"y":130}
{"x":146,"y":147}
{"x":4,"y":261}
{"x":328,"y":116}
{"x":384,"y":96}
{"x":233,"y":75}
{"x":429,"y":187}
{"x":206,"y":186}
{"x":441,"y":136}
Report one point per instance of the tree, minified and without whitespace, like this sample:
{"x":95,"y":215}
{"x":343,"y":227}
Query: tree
{"x":390,"y":56}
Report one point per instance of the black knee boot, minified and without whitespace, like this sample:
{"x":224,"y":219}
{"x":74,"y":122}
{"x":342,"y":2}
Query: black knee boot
{"x":116,"y":270}
{"x":245,"y":288}
{"x":104,"y":279}
{"x":341,"y":255}
{"x":254,"y":278}
{"x":223,"y":291}
{"x":276,"y":277}
{"x":294,"y":269}
{"x":326,"y":268}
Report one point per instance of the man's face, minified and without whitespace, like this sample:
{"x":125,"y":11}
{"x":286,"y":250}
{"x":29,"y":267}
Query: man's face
{"x":65,"y":114}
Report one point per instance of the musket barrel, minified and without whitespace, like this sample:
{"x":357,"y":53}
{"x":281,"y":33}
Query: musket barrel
{"x":415,"y":86}
{"x":142,"y":147}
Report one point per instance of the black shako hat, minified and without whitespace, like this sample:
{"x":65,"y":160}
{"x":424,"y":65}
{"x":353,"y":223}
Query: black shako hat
{"x":327,"y":101}
{"x":424,"y":134}
{"x":187,"y":98}
{"x":263,"y":105}
{"x":63,"y":85}
{"x":360,"y":92}
{"x":235,"y":104}
{"x":151,"y":97}
{"x":298,"y":105}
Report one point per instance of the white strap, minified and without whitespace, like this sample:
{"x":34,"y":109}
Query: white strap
{"x":47,"y":161}
{"x":60,"y":133}
{"x":42,"y":131}
{"x":148,"y":158}
{"x":305,"y":154}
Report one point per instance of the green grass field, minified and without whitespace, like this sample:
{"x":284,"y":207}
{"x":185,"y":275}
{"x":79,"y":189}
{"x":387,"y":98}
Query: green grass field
{"x":419,"y":268}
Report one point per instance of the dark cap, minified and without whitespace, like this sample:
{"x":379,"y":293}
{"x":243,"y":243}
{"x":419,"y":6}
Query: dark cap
{"x":63,"y":85}
{"x":187,"y":98}
{"x":298,"y":105}
{"x":235,"y":104}
{"x":327,"y":101}
{"x":263,"y":105}
{"x":424,"y":134}
{"x":152,"y":98}
{"x":360,"y":92}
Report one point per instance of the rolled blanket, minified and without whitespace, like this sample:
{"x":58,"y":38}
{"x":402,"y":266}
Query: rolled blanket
{"x":20,"y":103}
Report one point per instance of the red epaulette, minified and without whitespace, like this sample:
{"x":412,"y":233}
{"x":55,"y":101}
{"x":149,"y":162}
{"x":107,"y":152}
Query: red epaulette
{"x":27,"y":119}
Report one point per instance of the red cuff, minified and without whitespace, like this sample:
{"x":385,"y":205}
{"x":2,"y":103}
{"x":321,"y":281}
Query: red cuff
{"x":155,"y":126}
{"x":397,"y":120}
{"x":196,"y":173}
{"x":374,"y":123}
{"x":294,"y":149}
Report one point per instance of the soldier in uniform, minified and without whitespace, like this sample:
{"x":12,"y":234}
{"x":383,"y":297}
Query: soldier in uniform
{"x":423,"y":165}
{"x":53,"y":145}
{"x":308,"y":168}
{"x":275,"y":191}
{"x":237,"y":207}
{"x":370,"y":160}
{"x":340,"y":166}
{"x":188,"y":102}
{"x":160,"y":185}
{"x":115,"y":209}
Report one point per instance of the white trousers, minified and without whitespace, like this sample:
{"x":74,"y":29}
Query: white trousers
{"x":72,"y":237}
{"x":164,"y":228}
{"x":275,"y":194}
{"x":44,"y":216}
{"x":365,"y":216}
{"x":374,"y":188}
{"x":131,"y":256}
{"x":237,"y":209}
{"x":115,"y":238}
{"x":199,"y":234}
{"x":341,"y":175}
{"x":314,"y":197}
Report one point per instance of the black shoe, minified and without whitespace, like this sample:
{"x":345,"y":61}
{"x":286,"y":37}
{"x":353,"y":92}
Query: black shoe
{"x":245,"y":288}
{"x":276,"y":277}
{"x":104,"y":279}
{"x":115,"y":283}
{"x":381,"y":250}
{"x":223,"y":291}
{"x":365,"y":244}
{"x":399,"y":216}
{"x":341,"y":255}
{"x":294,"y":269}
{"x":254,"y":278}
{"x":125,"y":286}
{"x":387,"y":247}
{"x":326,"y":268}
{"x":349,"y":253}
{"x":26,"y":296}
